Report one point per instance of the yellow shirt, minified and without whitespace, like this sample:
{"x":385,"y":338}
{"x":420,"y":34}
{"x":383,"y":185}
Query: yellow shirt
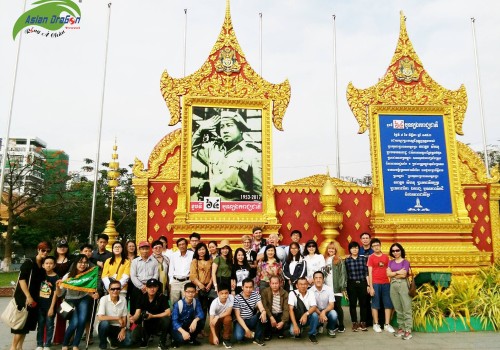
{"x":117,"y":271}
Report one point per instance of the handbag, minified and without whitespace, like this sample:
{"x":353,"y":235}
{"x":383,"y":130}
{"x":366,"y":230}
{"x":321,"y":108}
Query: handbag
{"x":65,"y":310}
{"x":300,"y":309}
{"x":12,"y":316}
{"x":412,"y":287}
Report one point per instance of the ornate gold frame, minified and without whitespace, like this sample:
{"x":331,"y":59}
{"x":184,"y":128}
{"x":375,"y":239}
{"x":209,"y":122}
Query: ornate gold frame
{"x":458,"y":221}
{"x":205,"y":221}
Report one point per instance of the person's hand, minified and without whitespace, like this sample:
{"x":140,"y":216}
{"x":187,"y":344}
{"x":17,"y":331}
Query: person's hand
{"x":122,"y":322}
{"x":263,"y":317}
{"x":273,"y":321}
{"x":185,"y":335}
{"x":296,"y":330}
{"x":216,"y":340}
{"x":371,"y":291}
{"x":100,"y":264}
{"x":122,"y":334}
{"x":279,"y":325}
{"x":209,"y":124}
{"x":29,"y":301}
{"x":322,"y":317}
{"x":169,"y":312}
{"x":248,"y":334}
{"x":50,"y":313}
{"x":192,"y":326}
{"x":143,"y":289}
{"x":95,"y":295}
{"x":303,"y":319}
{"x":214,"y":320}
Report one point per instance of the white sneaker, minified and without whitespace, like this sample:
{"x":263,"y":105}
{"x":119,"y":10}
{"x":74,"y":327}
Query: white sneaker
{"x":389,"y":328}
{"x":376,"y":328}
{"x":39,"y":348}
{"x":320,"y":330}
{"x":46,"y":348}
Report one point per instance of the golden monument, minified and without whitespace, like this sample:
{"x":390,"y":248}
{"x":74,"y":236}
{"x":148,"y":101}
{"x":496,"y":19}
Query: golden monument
{"x":113,"y":176}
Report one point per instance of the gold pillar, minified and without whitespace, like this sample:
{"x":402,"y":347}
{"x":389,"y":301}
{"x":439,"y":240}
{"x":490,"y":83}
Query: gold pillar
{"x":329,"y":218}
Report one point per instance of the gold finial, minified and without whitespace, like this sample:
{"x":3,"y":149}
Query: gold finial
{"x":228,"y":9}
{"x":330,"y":219}
{"x":404,"y":47}
{"x":113,"y":176}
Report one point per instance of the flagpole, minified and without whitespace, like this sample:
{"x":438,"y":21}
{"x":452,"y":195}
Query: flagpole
{"x":99,"y":133}
{"x":260,"y":42}
{"x":185,"y":38}
{"x":336,"y":99}
{"x":481,"y":109}
{"x":5,"y":142}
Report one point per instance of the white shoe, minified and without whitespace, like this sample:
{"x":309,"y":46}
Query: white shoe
{"x":376,"y":328}
{"x":320,"y":330}
{"x":46,"y":348}
{"x":389,"y":328}
{"x":39,"y":348}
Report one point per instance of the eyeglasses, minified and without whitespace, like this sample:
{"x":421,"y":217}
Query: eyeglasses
{"x":45,"y":250}
{"x":395,"y":250}
{"x":114,"y":289}
{"x":311,"y":246}
{"x":83,"y":263}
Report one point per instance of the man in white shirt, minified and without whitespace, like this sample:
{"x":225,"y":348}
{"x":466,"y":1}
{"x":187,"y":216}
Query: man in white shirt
{"x":220,"y":317}
{"x":309,"y":317}
{"x":112,"y":316}
{"x":178,"y":271}
{"x":325,"y":302}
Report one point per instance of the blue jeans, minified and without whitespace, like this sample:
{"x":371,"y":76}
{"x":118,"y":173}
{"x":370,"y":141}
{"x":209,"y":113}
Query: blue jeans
{"x":78,"y":320}
{"x":44,"y":320}
{"x":332,"y":317}
{"x":177,"y":336}
{"x":253,"y":323}
{"x":312,"y":322}
{"x":107,"y":330}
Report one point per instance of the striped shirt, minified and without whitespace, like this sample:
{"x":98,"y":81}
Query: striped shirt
{"x":246,"y":306}
{"x":276,"y":306}
{"x":356,"y":268}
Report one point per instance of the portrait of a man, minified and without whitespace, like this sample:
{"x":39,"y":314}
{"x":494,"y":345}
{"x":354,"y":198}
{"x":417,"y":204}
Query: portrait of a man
{"x":226,"y":154}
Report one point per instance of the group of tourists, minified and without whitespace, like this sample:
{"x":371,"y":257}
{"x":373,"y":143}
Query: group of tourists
{"x":262,"y":291}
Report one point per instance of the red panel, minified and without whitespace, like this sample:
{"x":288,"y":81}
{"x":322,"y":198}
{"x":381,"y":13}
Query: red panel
{"x":478,"y":206}
{"x":296,"y":209}
{"x":162,"y":201}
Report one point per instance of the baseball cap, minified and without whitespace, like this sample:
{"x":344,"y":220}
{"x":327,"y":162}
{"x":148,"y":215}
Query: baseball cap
{"x":152,"y":282}
{"x":62,"y":243}
{"x":144,"y":244}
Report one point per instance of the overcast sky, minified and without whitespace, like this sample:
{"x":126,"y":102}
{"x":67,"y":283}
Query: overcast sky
{"x":60,"y":80}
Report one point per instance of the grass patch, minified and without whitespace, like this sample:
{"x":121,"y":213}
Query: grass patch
{"x":6,"y":277}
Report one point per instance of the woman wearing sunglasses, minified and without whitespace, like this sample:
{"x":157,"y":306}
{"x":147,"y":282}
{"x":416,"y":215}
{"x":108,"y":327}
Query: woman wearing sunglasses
{"x":397,"y":271}
{"x":314,"y":260}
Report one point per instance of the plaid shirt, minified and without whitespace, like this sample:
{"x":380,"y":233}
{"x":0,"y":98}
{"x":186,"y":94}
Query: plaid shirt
{"x":356,"y":268}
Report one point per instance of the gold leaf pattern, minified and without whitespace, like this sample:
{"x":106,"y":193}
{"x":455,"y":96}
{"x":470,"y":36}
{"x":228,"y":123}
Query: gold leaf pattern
{"x":289,"y":226}
{"x":367,"y":213}
{"x":151,"y":214}
{"x":348,"y":213}
{"x":356,"y":201}
{"x":349,"y":238}
{"x":315,"y":238}
{"x":170,"y":201}
{"x":163,"y":188}
{"x":306,"y":201}
{"x":488,"y":239}
{"x":151,"y":189}
{"x":281,"y":212}
{"x":163,"y":213}
{"x":289,"y":201}
{"x":157,"y":201}
{"x":357,"y":225}
{"x":477,"y":240}
{"x":297,"y":214}
{"x":475,"y":218}
{"x":156,"y":227}
{"x":315,"y":213}
{"x":482,"y":229}
{"x":306,"y":226}
{"x":480,"y":208}
{"x":468,"y":207}
{"x":485,"y":196}
{"x":474,"y":195}
{"x":487,"y":218}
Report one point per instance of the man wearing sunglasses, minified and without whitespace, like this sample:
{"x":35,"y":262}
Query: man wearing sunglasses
{"x":112,"y":316}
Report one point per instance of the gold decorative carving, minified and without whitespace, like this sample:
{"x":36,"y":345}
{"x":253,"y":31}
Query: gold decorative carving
{"x":329,"y":218}
{"x":495,"y":218}
{"x":472,"y":169}
{"x":226,"y":73}
{"x":400,"y":86}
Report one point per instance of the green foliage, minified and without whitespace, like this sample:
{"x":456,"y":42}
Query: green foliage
{"x":467,"y":296}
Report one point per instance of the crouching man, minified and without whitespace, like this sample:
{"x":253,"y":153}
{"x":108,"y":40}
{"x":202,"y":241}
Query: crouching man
{"x":325,"y":302}
{"x":187,"y":318}
{"x":275,"y":301}
{"x":112,"y":316}
{"x":220,"y":317}
{"x":152,"y":315}
{"x":302,"y":308}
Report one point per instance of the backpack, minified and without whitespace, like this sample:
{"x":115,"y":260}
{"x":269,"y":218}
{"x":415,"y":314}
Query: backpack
{"x":300,"y":309}
{"x":180,"y":304}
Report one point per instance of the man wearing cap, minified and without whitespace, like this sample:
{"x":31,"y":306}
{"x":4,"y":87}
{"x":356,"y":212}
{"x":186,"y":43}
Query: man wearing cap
{"x":178,"y":271}
{"x":153,"y":315}
{"x":143,"y":268}
{"x":234,"y":165}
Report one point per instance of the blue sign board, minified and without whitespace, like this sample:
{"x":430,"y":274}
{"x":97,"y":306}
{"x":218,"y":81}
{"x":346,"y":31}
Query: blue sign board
{"x":414,"y":164}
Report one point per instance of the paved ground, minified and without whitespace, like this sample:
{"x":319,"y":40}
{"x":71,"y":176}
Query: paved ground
{"x":347,"y":340}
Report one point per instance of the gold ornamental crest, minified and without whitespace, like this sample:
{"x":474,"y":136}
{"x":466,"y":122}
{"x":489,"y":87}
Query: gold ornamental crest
{"x":407,"y":71}
{"x":227,"y":62}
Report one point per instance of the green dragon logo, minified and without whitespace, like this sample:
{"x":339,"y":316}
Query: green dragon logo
{"x":48,"y":15}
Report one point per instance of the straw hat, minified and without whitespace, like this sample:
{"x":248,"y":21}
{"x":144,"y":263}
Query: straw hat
{"x":224,"y":243}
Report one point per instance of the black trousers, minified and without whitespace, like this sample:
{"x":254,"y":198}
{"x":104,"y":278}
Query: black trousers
{"x":270,"y":330}
{"x":339,"y":310}
{"x":357,"y":292}
{"x":159,"y":326}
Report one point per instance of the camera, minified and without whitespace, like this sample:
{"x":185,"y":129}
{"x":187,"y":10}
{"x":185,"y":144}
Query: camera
{"x":144,"y":315}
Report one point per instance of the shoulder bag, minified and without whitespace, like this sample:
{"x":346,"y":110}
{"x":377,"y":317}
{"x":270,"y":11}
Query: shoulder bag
{"x":412,"y":287}
{"x":12,"y":316}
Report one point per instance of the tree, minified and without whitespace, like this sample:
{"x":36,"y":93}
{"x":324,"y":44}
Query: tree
{"x":25,"y":184}
{"x":493,"y":156}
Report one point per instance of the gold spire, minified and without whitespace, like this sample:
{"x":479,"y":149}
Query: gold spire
{"x":406,"y":82}
{"x":113,"y":176}
{"x":226,"y":73}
